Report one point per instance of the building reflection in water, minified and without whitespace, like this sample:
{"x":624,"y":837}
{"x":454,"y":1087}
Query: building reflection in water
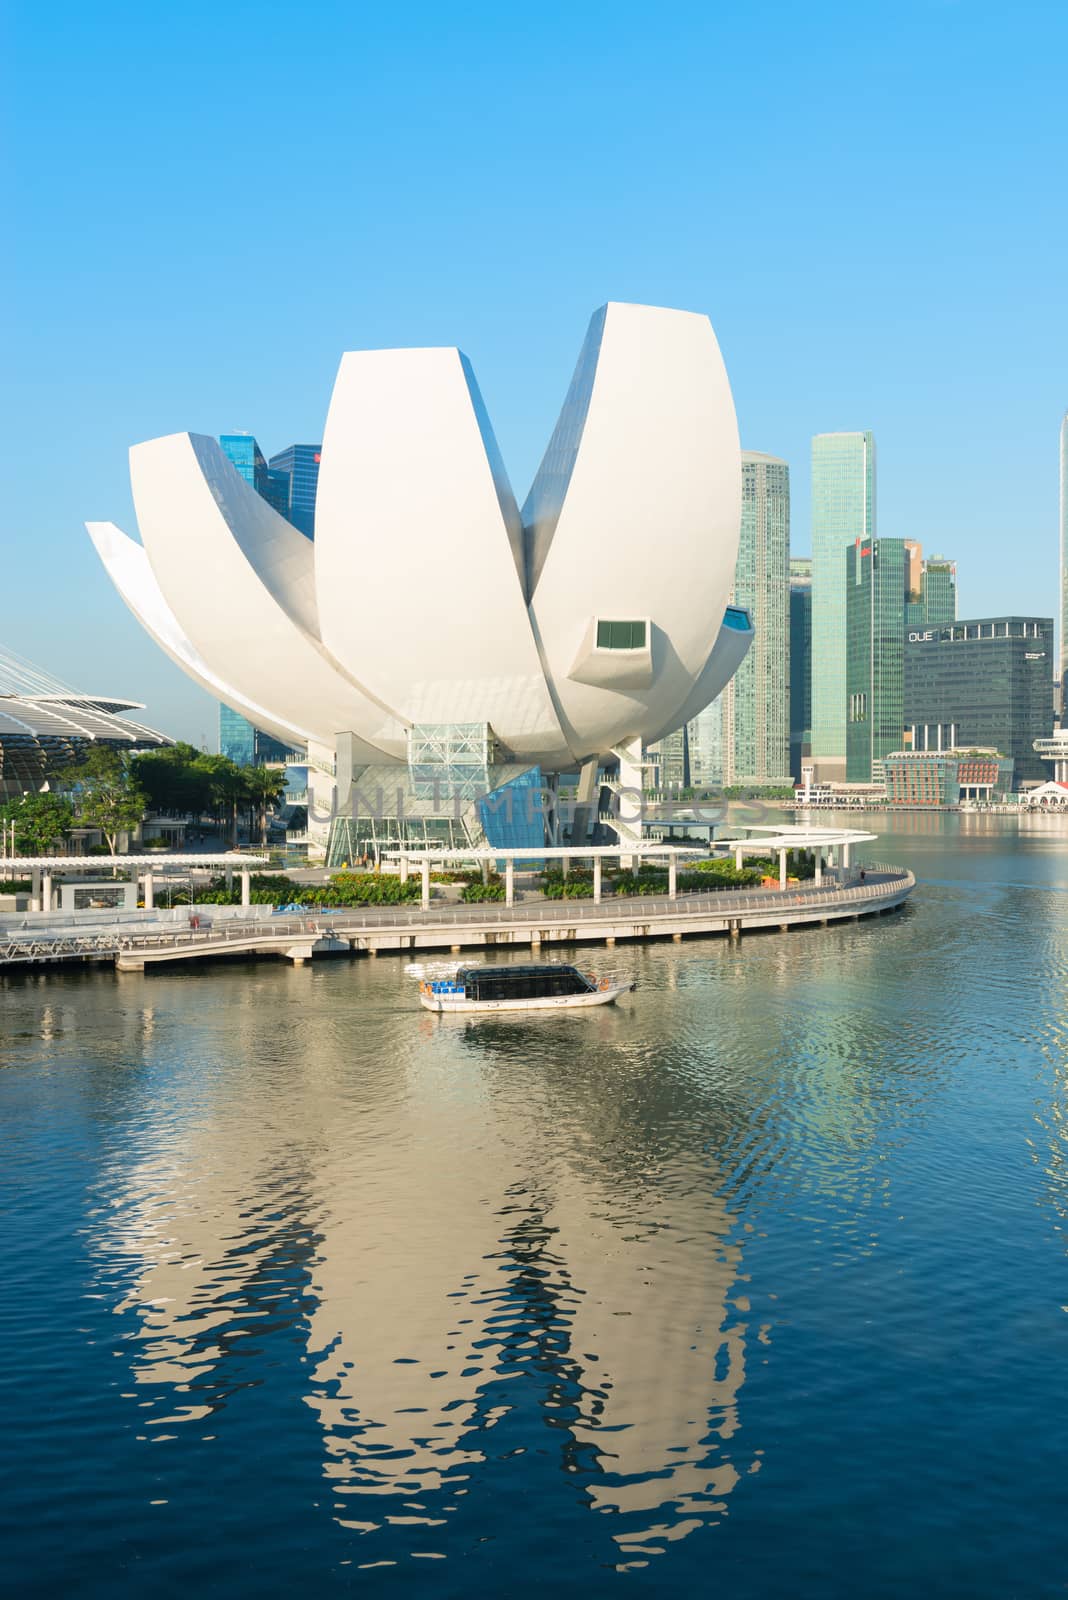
{"x":465,"y":1218}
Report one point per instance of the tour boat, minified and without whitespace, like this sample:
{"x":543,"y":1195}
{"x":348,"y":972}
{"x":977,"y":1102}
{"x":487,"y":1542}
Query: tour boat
{"x":528,"y":987}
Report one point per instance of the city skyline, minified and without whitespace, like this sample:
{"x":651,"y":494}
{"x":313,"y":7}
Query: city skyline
{"x":908,"y":311}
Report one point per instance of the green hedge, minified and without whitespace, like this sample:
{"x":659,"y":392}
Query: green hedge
{"x":344,"y":890}
{"x":474,"y":892}
{"x":569,"y":889}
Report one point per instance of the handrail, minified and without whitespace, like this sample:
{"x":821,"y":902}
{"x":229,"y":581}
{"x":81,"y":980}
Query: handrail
{"x":351,"y":922}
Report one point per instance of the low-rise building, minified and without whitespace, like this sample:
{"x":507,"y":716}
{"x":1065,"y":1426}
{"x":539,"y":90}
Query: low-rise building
{"x":946,"y":777}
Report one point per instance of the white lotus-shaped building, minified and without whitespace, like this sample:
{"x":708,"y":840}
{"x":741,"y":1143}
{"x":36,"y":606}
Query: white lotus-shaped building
{"x":595,"y":617}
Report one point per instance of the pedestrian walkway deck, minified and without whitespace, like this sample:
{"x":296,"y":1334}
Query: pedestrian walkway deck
{"x":370,"y":930}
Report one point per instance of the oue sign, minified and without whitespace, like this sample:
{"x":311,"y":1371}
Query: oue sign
{"x":921,"y":638}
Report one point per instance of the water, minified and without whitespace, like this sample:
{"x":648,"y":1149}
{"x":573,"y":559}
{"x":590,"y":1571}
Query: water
{"x":756,"y":1282}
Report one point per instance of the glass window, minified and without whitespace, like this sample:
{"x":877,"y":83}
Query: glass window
{"x":621,"y":635}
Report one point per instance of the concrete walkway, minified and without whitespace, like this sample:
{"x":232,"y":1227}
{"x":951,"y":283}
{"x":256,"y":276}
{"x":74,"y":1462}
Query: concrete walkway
{"x":454,"y":927}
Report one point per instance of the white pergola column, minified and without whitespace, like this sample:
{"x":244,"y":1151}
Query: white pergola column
{"x":509,"y":881}
{"x":739,"y":856}
{"x":404,"y":869}
{"x":424,"y":869}
{"x":673,"y":869}
{"x":636,"y":866}
{"x":150,"y":892}
{"x":597,"y":880}
{"x":246,"y":887}
{"x":46,"y":891}
{"x":782,"y":868}
{"x":35,"y":888}
{"x":845,"y":855}
{"x":819,"y":868}
{"x":565,"y":865}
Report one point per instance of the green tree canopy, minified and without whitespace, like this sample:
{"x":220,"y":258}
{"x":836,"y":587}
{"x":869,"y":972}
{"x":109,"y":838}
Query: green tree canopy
{"x":41,"y":822}
{"x":264,"y":786}
{"x":106,"y":793}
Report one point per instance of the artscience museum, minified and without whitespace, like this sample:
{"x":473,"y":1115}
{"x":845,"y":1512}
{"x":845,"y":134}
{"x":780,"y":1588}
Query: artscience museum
{"x":433,"y":636}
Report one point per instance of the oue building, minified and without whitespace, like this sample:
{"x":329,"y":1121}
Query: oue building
{"x":984,"y":684}
{"x":437,"y":651}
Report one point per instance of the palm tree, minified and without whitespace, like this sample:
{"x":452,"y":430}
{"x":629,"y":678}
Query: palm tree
{"x":264,"y":786}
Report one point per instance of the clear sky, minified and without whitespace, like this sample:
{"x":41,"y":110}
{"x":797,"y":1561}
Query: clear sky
{"x":210,"y":203}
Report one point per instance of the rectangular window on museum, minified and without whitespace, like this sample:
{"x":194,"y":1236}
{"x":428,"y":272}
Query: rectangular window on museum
{"x":621,"y":635}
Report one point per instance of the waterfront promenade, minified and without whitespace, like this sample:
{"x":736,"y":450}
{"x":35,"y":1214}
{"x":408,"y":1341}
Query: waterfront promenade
{"x":371,"y":930}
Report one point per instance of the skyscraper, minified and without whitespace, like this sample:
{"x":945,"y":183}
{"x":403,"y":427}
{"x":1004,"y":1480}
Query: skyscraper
{"x":1064,"y":562}
{"x":800,"y":663}
{"x":875,"y":575}
{"x":299,"y":464}
{"x":757,"y":698}
{"x":939,"y":592}
{"x":744,"y":735}
{"x":238,"y":738}
{"x":843,"y":511}
{"x":986,"y":683}
{"x":246,"y":455}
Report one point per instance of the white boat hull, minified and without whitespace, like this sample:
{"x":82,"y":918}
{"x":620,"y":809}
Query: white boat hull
{"x":448,"y":1003}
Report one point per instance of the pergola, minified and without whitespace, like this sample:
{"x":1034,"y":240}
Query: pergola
{"x":42,"y":869}
{"x":833,"y":844}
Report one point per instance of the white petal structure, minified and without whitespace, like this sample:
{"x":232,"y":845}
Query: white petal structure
{"x":595,"y":617}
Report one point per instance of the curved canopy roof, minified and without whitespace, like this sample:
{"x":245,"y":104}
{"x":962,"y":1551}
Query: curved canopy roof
{"x":45,"y":726}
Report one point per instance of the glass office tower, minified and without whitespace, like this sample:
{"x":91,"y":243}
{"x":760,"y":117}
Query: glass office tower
{"x":939,"y":592}
{"x":299,"y":465}
{"x":246,"y":455}
{"x":875,"y":583}
{"x":984,"y":684}
{"x":238,"y":738}
{"x":843,"y":510}
{"x":756,"y":702}
{"x":800,"y":663}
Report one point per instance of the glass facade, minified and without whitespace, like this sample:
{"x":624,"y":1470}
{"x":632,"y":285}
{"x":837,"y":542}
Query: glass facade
{"x":288,"y":483}
{"x":246,"y":744}
{"x":756,"y":701}
{"x":875,"y":576}
{"x":298,"y":466}
{"x":986,"y":683}
{"x":800,"y":663}
{"x":621,"y":635}
{"x":843,"y":510}
{"x":939,"y":592}
{"x":932,"y":586}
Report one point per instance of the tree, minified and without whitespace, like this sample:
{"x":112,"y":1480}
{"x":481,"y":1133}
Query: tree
{"x":107,"y":794}
{"x":174,"y":779}
{"x":264,"y":786}
{"x":41,"y":820}
{"x":226,"y":782}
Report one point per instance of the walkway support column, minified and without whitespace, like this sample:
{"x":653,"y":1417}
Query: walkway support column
{"x":782,"y":869}
{"x":424,"y":868}
{"x":246,"y":887}
{"x":150,"y":892}
{"x":673,"y":868}
{"x":509,"y":881}
{"x":596,"y":880}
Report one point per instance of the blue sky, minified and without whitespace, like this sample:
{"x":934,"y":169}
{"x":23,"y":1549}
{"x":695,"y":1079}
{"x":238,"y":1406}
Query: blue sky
{"x":210,"y":203}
